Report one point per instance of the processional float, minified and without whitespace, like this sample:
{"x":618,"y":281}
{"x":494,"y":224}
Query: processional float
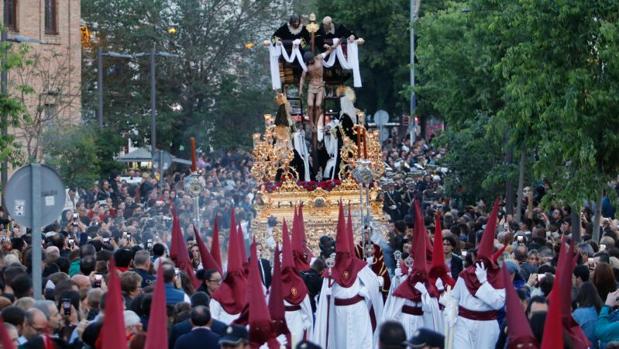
{"x":344,"y":157}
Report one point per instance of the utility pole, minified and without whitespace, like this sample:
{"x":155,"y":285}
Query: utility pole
{"x":414,"y":8}
{"x":4,"y":90}
{"x":153,"y":109}
{"x":100,"y":86}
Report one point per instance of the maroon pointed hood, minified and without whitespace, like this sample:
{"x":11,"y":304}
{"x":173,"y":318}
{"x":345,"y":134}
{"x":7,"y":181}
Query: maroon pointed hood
{"x":277,"y":309}
{"x":486,"y":255}
{"x":215,"y":249}
{"x":565,"y":268}
{"x":158,"y":319}
{"x":439,"y":269}
{"x":429,"y":246}
{"x":208,"y":262}
{"x":178,"y":251}
{"x":347,"y":265}
{"x":519,"y":331}
{"x":420,"y":267}
{"x":293,"y":286}
{"x":114,"y":319}
{"x":260,"y":328}
{"x":553,"y":328}
{"x":486,"y":245}
{"x":232,"y":292}
{"x":302,"y":254}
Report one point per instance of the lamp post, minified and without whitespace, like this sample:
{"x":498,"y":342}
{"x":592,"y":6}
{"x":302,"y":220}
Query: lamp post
{"x":4,"y":89}
{"x":100,"y":54}
{"x":153,"y":88}
{"x":153,"y":99}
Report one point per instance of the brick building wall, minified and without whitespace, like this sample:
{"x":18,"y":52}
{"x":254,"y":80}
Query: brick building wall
{"x":56,"y":75}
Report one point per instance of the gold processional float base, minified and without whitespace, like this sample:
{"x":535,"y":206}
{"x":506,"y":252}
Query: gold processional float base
{"x":320,"y":211}
{"x":360,"y":173}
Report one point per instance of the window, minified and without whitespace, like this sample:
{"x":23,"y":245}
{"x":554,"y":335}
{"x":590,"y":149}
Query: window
{"x":51,"y":17}
{"x":10,"y":14}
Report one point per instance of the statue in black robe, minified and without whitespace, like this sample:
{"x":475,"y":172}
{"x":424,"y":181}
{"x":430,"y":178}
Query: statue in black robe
{"x":291,"y":31}
{"x":329,"y":30}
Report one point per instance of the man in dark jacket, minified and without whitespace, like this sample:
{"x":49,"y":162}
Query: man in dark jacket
{"x":141,"y":264}
{"x":198,"y":299}
{"x":200,"y":336}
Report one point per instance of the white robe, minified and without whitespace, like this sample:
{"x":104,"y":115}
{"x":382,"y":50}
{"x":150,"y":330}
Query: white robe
{"x":301,"y":147}
{"x":331,"y":146}
{"x":218,"y":313}
{"x":300,"y":322}
{"x":431,"y":319}
{"x":477,"y":334}
{"x":348,"y":326}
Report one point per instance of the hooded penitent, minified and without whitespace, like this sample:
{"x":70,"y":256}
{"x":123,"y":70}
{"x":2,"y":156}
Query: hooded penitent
{"x":112,"y":333}
{"x":277,"y":308}
{"x":233,"y":290}
{"x":208,"y":262}
{"x":294,"y":289}
{"x":158,"y":319}
{"x":215,"y":250}
{"x":420,"y":267}
{"x":302,"y":254}
{"x":485,"y":254}
{"x":565,"y":268}
{"x":553,"y":329}
{"x":438,"y":269}
{"x":518,"y":330}
{"x":347,"y":266}
{"x":179,"y":252}
{"x":261,"y":330}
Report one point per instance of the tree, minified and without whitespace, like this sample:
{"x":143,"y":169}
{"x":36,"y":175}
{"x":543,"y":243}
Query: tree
{"x":42,"y":82}
{"x":73,"y":153}
{"x":545,"y":73}
{"x":209,"y":40}
{"x":456,"y":81}
{"x":384,"y":24}
{"x":11,"y":109}
{"x":474,"y":161}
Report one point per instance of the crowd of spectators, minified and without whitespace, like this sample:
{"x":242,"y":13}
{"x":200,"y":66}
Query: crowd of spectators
{"x":127,"y":218}
{"x":531,"y":244}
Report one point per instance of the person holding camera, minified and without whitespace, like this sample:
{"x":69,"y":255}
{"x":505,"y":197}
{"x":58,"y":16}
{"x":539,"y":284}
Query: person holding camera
{"x":607,"y":326}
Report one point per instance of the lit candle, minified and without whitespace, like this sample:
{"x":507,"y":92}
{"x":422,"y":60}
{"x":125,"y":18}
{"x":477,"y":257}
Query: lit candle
{"x":365,"y":145}
{"x":358,"y":142}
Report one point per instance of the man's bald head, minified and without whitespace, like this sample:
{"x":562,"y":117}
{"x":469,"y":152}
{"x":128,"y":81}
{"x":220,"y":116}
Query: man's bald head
{"x":82,"y":281}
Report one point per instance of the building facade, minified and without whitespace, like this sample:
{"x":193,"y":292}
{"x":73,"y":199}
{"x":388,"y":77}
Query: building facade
{"x":50,"y":29}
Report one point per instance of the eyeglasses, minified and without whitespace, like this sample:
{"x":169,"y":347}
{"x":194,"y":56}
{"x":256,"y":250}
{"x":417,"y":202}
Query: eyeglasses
{"x":216,"y":281}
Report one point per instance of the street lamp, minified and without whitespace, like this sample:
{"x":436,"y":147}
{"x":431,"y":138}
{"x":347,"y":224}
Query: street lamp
{"x":153,"y":99}
{"x":4,"y":90}
{"x":153,"y":87}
